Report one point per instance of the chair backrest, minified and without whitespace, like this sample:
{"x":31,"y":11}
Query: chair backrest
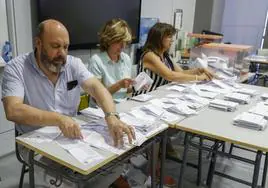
{"x":17,"y":149}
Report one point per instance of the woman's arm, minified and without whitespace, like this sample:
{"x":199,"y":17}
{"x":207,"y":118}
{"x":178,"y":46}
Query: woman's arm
{"x":124,"y":83}
{"x":153,"y":63}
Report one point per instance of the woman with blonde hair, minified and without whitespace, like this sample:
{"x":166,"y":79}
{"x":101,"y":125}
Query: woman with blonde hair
{"x":112,"y":66}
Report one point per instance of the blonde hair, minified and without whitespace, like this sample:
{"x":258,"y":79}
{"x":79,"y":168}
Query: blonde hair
{"x":115,"y":30}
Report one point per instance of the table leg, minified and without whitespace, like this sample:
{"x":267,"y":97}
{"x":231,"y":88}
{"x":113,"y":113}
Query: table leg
{"x":184,"y":160}
{"x":264,"y":170}
{"x":199,"y":171}
{"x":163,"y":157}
{"x":212,"y":165}
{"x":256,"y":169}
{"x":153,"y":165}
{"x":31,"y":169}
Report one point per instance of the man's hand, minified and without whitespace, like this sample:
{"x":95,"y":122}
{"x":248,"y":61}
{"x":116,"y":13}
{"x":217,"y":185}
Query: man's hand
{"x":126,"y":82}
{"x":117,"y":129}
{"x":69,"y":127}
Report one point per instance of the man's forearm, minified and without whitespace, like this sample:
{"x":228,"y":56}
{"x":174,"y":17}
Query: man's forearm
{"x":101,"y":95}
{"x":27,"y":115}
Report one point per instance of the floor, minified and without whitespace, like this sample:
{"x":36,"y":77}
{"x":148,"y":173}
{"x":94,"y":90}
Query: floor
{"x":10,"y":172}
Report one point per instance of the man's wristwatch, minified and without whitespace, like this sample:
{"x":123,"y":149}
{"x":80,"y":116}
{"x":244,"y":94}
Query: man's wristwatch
{"x":108,"y":114}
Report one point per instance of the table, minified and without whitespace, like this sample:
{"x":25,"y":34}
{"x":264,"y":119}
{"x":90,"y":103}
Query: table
{"x":220,"y":128}
{"x":211,"y":128}
{"x":57,"y":154}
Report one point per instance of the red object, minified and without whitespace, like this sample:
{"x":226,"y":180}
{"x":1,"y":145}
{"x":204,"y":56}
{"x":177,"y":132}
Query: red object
{"x":169,"y":181}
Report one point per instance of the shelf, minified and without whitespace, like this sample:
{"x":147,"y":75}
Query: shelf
{"x":228,"y":47}
{"x":204,"y":36}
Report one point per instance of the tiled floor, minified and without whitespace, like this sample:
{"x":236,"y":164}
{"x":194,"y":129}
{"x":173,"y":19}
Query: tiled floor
{"x":10,"y":172}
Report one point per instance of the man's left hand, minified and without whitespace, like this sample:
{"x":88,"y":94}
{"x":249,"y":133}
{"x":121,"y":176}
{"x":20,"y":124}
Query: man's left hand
{"x":117,"y":129}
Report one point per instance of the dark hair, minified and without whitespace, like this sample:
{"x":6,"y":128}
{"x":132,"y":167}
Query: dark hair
{"x":156,"y":35}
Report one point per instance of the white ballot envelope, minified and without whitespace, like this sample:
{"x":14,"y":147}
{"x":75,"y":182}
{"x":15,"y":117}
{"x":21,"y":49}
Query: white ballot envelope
{"x":141,"y":80}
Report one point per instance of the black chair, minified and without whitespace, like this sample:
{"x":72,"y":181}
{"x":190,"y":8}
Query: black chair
{"x":24,"y":168}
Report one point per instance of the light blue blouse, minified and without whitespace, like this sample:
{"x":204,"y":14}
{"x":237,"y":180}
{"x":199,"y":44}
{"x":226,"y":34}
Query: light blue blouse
{"x":110,"y":72}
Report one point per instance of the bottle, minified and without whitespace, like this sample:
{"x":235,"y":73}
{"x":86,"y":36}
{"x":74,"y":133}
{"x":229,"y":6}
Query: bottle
{"x":7,"y":52}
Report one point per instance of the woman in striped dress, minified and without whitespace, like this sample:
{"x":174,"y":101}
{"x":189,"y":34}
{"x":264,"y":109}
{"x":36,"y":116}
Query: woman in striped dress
{"x":155,"y":60}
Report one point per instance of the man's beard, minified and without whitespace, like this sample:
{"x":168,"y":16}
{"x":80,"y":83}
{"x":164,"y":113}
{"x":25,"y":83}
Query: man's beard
{"x":52,"y":65}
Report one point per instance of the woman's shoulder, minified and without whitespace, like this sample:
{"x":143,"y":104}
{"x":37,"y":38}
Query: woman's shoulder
{"x":150,"y":56}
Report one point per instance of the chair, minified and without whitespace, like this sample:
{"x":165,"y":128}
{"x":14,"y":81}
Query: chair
{"x":24,"y":168}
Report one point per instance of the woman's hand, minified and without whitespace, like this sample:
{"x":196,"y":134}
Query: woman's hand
{"x":126,"y":82}
{"x":207,"y":72}
{"x":203,"y":77}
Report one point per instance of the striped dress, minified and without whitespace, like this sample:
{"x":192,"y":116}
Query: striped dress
{"x":157,"y":79}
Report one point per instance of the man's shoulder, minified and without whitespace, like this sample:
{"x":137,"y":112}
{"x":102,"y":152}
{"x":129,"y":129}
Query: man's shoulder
{"x":19,"y":61}
{"x":73,"y":59}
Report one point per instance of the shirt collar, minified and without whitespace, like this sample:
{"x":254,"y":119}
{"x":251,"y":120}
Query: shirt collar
{"x":107,"y":59}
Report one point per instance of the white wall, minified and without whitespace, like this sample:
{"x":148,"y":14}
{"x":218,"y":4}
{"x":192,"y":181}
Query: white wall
{"x":243,"y":21}
{"x":217,"y":15}
{"x":3,"y":24}
{"x":164,"y":9}
{"x":6,"y":127}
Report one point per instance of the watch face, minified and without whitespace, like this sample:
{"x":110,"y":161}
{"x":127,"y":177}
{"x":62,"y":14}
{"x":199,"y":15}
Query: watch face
{"x":108,"y":114}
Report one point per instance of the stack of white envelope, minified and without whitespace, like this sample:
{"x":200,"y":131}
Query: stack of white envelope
{"x":160,"y":113}
{"x":238,"y":97}
{"x":94,"y":113}
{"x":196,"y":99}
{"x":182,"y":109}
{"x":264,"y":96}
{"x":260,"y":109}
{"x":205,"y":94}
{"x":250,"y":92}
{"x":176,"y":88}
{"x":223,"y":105}
{"x":142,"y":97}
{"x":190,"y":104}
{"x":139,"y":124}
{"x":249,"y":120}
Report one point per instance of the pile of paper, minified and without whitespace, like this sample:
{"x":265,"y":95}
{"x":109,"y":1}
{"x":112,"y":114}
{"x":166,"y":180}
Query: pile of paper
{"x":160,"y":113}
{"x":196,"y":99}
{"x":249,"y":120}
{"x":182,"y":109}
{"x":205,"y":94}
{"x":264,"y":96}
{"x":141,"y":125}
{"x":238,"y":97}
{"x":250,"y":92}
{"x":260,"y":109}
{"x":175,"y":101}
{"x":142,"y":97}
{"x":94,"y":113}
{"x":223,"y":105}
{"x":176,"y":88}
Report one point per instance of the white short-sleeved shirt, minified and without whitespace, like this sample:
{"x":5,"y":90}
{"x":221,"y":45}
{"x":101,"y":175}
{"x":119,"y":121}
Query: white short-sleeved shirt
{"x":110,"y":72}
{"x":23,"y":78}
